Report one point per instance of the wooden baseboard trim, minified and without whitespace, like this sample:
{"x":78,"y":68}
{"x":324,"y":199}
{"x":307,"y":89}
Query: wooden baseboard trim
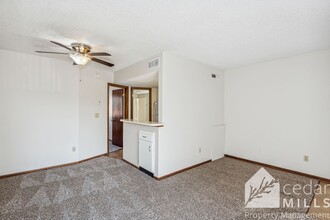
{"x":91,"y":158}
{"x":180,"y":171}
{"x":51,"y":167}
{"x":279,"y":168}
{"x":130,"y":163}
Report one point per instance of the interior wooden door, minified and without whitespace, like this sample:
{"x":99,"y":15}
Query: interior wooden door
{"x":118,"y":112}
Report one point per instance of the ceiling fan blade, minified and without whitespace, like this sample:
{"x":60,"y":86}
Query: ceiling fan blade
{"x":102,"y":62}
{"x":38,"y":51}
{"x":99,"y":54}
{"x":61,"y":45}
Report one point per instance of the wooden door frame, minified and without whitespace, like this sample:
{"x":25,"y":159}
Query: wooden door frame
{"x":126,"y":88}
{"x":150,"y":100}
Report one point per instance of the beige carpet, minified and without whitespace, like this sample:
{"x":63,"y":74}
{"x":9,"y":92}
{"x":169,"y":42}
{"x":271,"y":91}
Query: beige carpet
{"x":107,"y":188}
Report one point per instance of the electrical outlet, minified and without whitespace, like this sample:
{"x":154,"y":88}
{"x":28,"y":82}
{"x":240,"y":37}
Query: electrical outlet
{"x":73,"y":149}
{"x":306,"y":158}
{"x":97,"y":115}
{"x":200,"y":150}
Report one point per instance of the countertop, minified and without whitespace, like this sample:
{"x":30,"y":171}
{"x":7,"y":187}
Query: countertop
{"x":144,"y":123}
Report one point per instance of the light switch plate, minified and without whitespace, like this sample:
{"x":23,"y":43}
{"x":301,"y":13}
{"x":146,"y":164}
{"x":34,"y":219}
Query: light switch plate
{"x":97,"y":115}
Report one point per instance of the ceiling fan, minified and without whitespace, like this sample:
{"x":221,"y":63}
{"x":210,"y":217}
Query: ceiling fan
{"x":80,"y":53}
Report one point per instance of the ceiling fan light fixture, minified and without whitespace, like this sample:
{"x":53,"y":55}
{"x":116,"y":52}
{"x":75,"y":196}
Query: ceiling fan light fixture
{"x":80,"y":59}
{"x":80,"y":54}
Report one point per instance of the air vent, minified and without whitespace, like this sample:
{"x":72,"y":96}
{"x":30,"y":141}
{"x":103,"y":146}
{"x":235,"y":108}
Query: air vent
{"x":153,"y":63}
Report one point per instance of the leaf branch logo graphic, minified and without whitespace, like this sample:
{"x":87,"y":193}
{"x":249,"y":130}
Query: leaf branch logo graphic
{"x":256,"y":193}
{"x":262,"y":190}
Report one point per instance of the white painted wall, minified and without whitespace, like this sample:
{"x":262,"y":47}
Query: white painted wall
{"x":132,"y":74}
{"x":218,"y":141}
{"x":43,"y":109}
{"x":278,"y":111}
{"x":38,"y":113}
{"x":191,"y":104}
{"x":93,"y":99}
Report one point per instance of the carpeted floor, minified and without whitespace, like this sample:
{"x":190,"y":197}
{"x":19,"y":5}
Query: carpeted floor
{"x":107,"y":188}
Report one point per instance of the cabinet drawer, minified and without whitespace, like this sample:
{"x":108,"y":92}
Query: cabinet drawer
{"x":146,"y":136}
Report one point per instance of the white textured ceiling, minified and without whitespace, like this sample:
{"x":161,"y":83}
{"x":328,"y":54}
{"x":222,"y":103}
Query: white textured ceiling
{"x":222,"y":33}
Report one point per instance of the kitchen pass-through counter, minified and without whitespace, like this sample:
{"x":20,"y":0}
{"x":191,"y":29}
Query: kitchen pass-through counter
{"x":131,"y":138}
{"x":144,"y":123}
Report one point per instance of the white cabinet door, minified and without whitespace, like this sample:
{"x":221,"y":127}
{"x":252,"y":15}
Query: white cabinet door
{"x":145,"y":155}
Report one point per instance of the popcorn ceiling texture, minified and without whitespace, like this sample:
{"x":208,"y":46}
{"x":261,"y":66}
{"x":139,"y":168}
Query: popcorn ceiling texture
{"x":221,"y":33}
{"x":107,"y":188}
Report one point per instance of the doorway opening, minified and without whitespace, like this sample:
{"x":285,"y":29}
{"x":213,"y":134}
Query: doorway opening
{"x":117,"y":110}
{"x":141,"y":104}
